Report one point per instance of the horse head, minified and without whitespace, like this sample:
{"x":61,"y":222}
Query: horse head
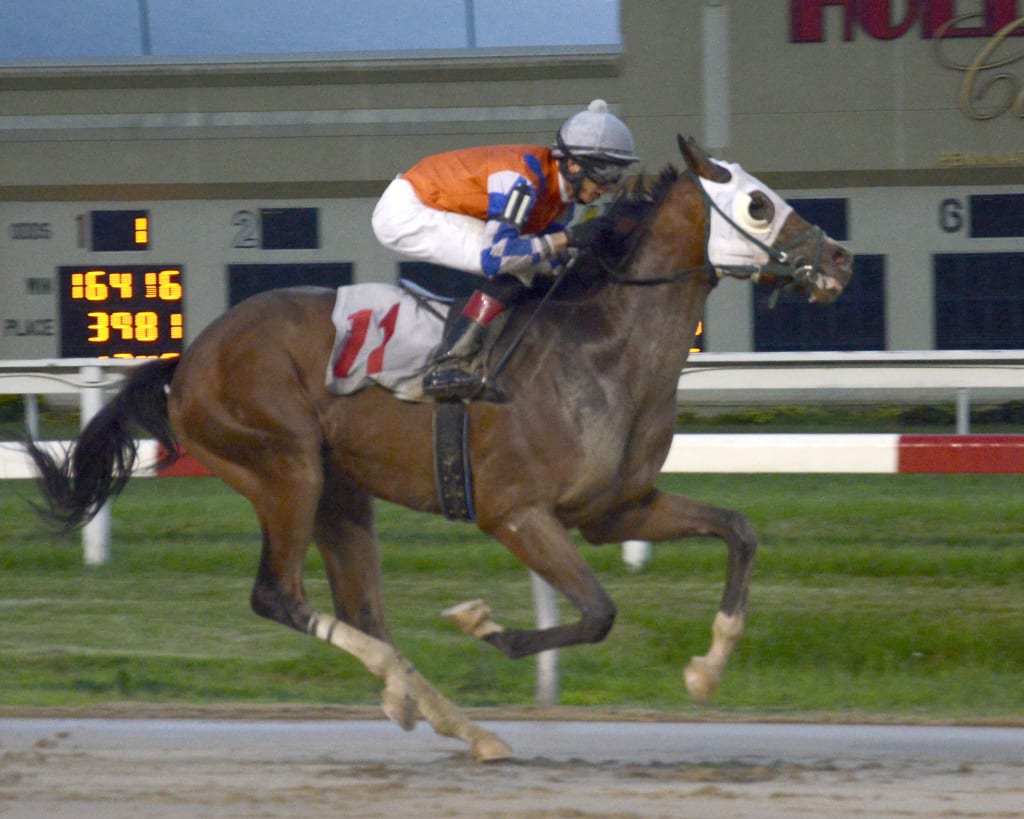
{"x":755,"y":233}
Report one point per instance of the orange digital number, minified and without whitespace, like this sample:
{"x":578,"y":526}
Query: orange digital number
{"x":170,"y":287}
{"x":100,"y":328}
{"x":164,"y":285}
{"x":89,"y":286}
{"x":123,"y":323}
{"x":95,"y":289}
{"x":122,"y":283}
{"x":132,"y":355}
{"x":147,"y":326}
{"x":698,"y":343}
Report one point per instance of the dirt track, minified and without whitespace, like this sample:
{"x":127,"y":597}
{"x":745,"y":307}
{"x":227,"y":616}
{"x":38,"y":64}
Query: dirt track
{"x":176,"y":768}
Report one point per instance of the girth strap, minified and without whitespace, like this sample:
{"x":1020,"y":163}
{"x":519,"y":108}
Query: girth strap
{"x":452,"y":472}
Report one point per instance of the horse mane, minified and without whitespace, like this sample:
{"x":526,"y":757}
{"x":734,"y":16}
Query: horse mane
{"x":639,"y":197}
{"x":621,"y":229}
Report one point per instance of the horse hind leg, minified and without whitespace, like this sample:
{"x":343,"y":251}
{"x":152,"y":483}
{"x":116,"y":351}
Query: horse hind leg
{"x":288,"y":524}
{"x":345,"y":538}
{"x":406,"y":692}
{"x":403,"y":681}
{"x":344,"y":535}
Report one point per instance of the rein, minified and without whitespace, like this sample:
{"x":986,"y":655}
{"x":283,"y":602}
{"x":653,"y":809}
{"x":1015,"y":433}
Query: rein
{"x":492,"y":376}
{"x":781,"y":267}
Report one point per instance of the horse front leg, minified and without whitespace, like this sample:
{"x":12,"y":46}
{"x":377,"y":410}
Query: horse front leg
{"x":540,"y":541}
{"x":666,"y":516}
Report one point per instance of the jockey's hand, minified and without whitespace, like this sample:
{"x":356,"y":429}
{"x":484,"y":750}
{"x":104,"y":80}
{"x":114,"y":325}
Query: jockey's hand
{"x":559,"y":243}
{"x":583,"y":234}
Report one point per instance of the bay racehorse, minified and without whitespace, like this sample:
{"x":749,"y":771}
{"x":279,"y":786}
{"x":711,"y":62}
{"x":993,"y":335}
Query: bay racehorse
{"x":578,"y":445}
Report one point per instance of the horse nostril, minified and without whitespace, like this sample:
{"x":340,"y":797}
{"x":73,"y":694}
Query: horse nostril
{"x":841,"y":257}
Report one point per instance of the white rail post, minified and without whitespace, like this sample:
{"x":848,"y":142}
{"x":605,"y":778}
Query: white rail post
{"x":636,"y":554}
{"x":546,"y":608}
{"x":963,"y":411}
{"x":96,"y":533}
{"x":32,"y":416}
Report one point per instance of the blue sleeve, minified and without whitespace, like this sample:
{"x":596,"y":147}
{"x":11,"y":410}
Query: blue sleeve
{"x":506,"y":249}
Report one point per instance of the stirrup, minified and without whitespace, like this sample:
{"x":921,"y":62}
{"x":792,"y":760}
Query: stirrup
{"x":449,"y":382}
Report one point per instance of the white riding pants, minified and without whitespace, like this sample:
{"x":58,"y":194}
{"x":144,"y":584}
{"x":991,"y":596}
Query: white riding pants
{"x":402,"y":223}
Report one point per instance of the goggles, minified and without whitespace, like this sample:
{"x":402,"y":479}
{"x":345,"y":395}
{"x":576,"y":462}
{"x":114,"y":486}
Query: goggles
{"x":604,"y":174}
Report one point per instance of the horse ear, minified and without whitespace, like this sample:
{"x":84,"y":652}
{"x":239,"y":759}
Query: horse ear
{"x":699,"y":162}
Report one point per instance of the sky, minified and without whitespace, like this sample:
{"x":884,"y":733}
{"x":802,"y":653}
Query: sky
{"x":58,"y":30}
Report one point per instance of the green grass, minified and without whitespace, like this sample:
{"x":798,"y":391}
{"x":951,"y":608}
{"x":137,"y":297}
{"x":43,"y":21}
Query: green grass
{"x":894,"y":596}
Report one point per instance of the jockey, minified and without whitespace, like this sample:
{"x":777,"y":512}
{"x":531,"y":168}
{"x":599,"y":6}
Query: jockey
{"x":500,"y":212}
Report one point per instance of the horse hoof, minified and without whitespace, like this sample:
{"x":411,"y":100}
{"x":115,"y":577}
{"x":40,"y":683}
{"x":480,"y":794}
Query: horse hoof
{"x":489,"y":748}
{"x":400,"y":709}
{"x":701,"y":680}
{"x":473,"y":617}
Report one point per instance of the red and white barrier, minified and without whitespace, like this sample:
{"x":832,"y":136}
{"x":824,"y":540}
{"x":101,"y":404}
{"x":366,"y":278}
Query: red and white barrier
{"x":782,"y":453}
{"x":852,"y":453}
{"x":740,"y":453}
{"x":1002,"y":454}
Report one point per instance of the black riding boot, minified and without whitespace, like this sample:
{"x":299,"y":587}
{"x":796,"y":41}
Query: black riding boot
{"x":451,"y":376}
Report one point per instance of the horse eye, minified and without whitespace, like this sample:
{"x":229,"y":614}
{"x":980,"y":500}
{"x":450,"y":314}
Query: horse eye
{"x":761,"y":209}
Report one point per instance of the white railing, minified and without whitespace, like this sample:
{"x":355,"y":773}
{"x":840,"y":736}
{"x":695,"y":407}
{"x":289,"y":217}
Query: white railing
{"x":90,"y":378}
{"x":722,"y":379}
{"x":710,"y":379}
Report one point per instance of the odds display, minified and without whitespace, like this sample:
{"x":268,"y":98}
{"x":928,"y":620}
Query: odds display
{"x":123,"y":311}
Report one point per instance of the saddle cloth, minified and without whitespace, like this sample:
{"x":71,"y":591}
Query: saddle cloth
{"x":384,"y":335}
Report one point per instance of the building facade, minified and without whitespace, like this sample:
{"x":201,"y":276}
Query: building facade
{"x":140,"y":199}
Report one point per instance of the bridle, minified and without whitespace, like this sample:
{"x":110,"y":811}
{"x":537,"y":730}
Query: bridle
{"x":781,"y":272}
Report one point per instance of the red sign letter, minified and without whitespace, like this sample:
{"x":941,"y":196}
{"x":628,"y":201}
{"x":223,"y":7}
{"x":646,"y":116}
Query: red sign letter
{"x":805,"y":20}
{"x":876,"y":18}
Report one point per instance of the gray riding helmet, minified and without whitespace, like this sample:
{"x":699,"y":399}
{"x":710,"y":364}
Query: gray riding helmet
{"x":597,"y":136}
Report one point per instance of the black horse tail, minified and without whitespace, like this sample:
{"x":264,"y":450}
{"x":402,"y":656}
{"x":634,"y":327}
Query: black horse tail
{"x":100,"y":461}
